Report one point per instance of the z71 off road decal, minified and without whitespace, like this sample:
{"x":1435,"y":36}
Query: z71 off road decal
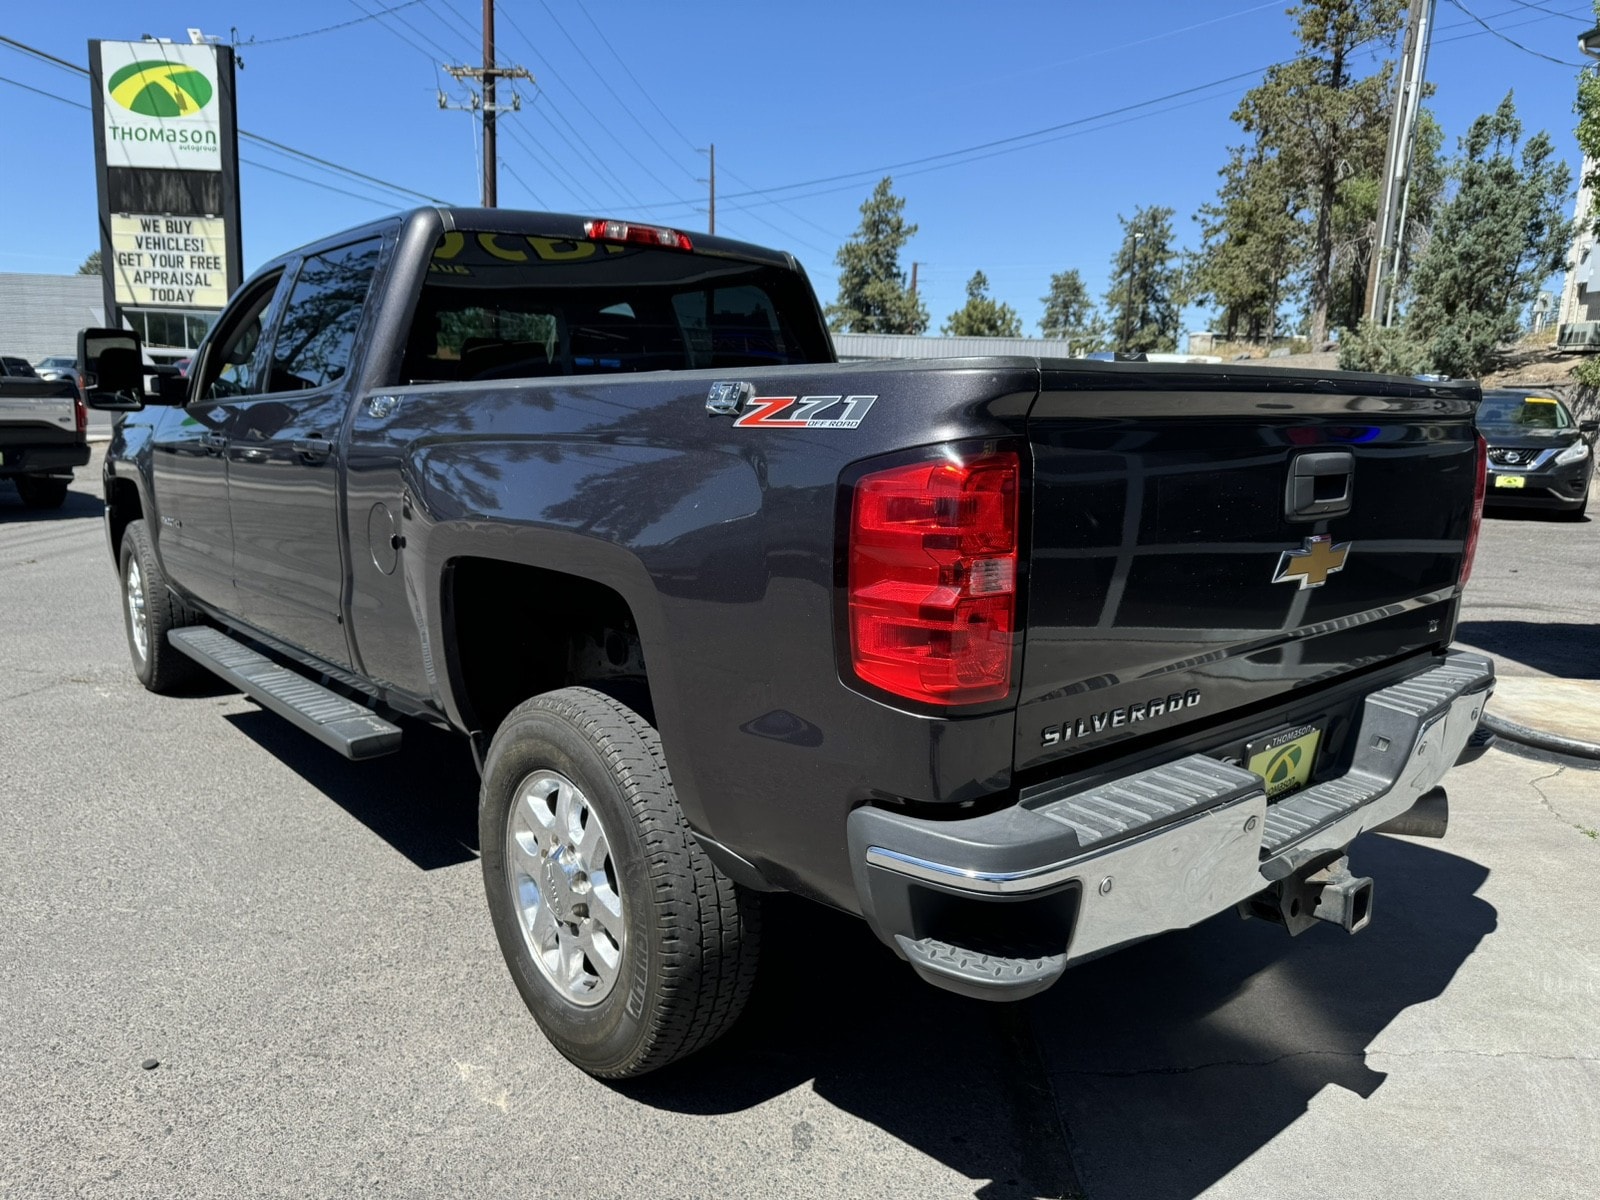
{"x":806,"y":412}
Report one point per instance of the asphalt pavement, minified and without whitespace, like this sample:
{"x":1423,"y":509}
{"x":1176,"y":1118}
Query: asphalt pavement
{"x":299,"y":944}
{"x":1534,"y":605}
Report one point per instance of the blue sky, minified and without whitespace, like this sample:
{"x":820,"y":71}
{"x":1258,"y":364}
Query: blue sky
{"x":836,"y":93}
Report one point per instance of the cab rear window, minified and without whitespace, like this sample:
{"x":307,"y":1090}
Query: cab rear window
{"x":502,"y":306}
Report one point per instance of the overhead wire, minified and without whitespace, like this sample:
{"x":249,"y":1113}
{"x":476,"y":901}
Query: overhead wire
{"x":597,"y":163}
{"x":295,"y":37}
{"x":74,"y":68}
{"x":380,"y":201}
{"x":1509,"y":40}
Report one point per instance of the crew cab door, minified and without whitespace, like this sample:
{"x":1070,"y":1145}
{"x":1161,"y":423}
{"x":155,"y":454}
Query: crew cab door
{"x":189,"y":466}
{"x":283,"y":457}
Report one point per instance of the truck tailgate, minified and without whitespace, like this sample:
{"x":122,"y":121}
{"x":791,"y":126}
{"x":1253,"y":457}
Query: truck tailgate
{"x":1191,"y":557}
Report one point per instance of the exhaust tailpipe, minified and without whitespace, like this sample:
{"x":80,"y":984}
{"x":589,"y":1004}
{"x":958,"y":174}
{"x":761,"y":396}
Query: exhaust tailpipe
{"x":1429,"y":817}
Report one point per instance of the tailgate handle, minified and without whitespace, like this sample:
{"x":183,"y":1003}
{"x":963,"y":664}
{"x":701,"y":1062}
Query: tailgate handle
{"x":1320,"y":485}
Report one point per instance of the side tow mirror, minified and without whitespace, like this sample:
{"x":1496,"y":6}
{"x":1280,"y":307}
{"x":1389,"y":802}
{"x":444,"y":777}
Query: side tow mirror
{"x":1589,"y":427}
{"x":111,"y":370}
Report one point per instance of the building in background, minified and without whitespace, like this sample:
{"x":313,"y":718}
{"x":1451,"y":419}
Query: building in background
{"x":1578,"y":325}
{"x":41,"y":314}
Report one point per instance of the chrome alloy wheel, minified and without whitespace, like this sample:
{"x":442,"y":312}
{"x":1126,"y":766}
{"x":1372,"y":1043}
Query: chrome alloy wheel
{"x":138,"y":627}
{"x":564,"y":886}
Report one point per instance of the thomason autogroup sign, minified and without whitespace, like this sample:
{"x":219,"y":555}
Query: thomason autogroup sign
{"x":160,"y":106}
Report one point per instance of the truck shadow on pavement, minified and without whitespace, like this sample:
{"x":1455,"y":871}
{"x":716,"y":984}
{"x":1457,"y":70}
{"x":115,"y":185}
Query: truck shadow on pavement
{"x":1566,"y":650}
{"x":76,"y":506}
{"x":1150,"y":1073}
{"x":422,"y":800}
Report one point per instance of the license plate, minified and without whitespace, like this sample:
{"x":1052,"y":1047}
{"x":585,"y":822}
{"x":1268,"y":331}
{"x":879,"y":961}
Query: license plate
{"x":1284,"y":759}
{"x":1510,"y":481}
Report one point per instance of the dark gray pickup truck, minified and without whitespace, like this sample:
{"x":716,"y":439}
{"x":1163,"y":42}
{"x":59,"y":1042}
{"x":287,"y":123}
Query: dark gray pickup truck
{"x":1021,"y":660}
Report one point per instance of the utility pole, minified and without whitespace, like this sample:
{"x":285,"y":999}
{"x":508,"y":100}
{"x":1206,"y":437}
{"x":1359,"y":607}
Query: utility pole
{"x":487,"y":74}
{"x":914,"y":266}
{"x":1389,"y":241}
{"x":1127,"y":315}
{"x":713,"y":181}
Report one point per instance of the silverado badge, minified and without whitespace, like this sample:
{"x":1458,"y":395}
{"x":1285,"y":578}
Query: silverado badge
{"x":1311,"y":567}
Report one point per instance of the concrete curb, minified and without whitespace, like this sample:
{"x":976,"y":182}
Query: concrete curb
{"x":1551,"y":743}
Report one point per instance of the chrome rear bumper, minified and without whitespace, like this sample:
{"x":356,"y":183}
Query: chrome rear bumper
{"x":1158,"y":850}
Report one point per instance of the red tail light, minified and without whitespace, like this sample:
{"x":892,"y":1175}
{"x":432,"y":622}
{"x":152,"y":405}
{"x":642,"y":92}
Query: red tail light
{"x":933,"y":579}
{"x":80,"y":413}
{"x":645,"y":235}
{"x":1478,"y":490}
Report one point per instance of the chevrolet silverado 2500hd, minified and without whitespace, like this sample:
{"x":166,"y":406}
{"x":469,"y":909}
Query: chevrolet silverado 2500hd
{"x":1021,"y":660}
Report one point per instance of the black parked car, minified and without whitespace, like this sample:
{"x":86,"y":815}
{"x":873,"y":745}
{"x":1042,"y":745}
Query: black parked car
{"x":1539,"y":455}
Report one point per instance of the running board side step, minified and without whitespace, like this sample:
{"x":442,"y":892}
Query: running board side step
{"x":354,"y":731}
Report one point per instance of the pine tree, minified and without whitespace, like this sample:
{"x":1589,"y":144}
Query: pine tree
{"x":1067,"y":307}
{"x":981,"y":316}
{"x":1325,"y":124}
{"x":90,"y":265}
{"x":873,"y":297}
{"x":1495,"y":241}
{"x":1253,"y":245}
{"x":1146,"y":291}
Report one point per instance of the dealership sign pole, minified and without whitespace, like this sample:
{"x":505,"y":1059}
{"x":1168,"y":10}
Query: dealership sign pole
{"x":166,"y":154}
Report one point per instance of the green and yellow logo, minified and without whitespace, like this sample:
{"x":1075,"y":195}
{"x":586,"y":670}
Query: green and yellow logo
{"x":160,"y":89}
{"x":1282,"y":769}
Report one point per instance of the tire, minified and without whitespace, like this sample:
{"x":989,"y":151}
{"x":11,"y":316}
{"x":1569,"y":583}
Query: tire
{"x":42,"y":491}
{"x":149,"y":609}
{"x":648,"y":951}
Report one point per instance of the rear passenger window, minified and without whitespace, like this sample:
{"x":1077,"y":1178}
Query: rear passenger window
{"x":317,"y":334}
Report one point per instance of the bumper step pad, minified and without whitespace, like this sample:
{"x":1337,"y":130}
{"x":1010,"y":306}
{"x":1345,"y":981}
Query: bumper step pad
{"x":1151,"y":798}
{"x":354,"y":731}
{"x":994,"y":976}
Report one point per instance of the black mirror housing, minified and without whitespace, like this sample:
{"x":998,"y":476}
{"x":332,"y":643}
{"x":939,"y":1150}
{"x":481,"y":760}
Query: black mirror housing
{"x":172,"y":390}
{"x":110,"y":363}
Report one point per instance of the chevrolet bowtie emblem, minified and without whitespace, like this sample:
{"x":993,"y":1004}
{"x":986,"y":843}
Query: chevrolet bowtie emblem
{"x":1311,"y":567}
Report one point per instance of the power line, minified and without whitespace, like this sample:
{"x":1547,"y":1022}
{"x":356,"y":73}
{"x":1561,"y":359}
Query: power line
{"x":537,"y":154}
{"x":343,"y":170}
{"x":1560,"y":62}
{"x":381,"y":202}
{"x":598,"y":166}
{"x":1034,"y":138}
{"x":1020,"y":137}
{"x":399,"y":189}
{"x":551,"y":73}
{"x":252,"y":162}
{"x":294,"y":37}
{"x":41,"y":92}
{"x":1551,"y":11}
{"x":606,"y":83}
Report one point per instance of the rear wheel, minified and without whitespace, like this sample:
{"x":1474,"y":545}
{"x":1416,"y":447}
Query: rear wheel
{"x":149,"y":610}
{"x":42,"y":491}
{"x":629,"y":947}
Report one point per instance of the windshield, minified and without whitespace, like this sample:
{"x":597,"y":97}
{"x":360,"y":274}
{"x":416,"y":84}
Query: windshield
{"x":1524,"y":412}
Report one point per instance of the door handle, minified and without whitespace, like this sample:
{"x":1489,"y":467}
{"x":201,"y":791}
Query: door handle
{"x":313,"y":449}
{"x":214,"y":441}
